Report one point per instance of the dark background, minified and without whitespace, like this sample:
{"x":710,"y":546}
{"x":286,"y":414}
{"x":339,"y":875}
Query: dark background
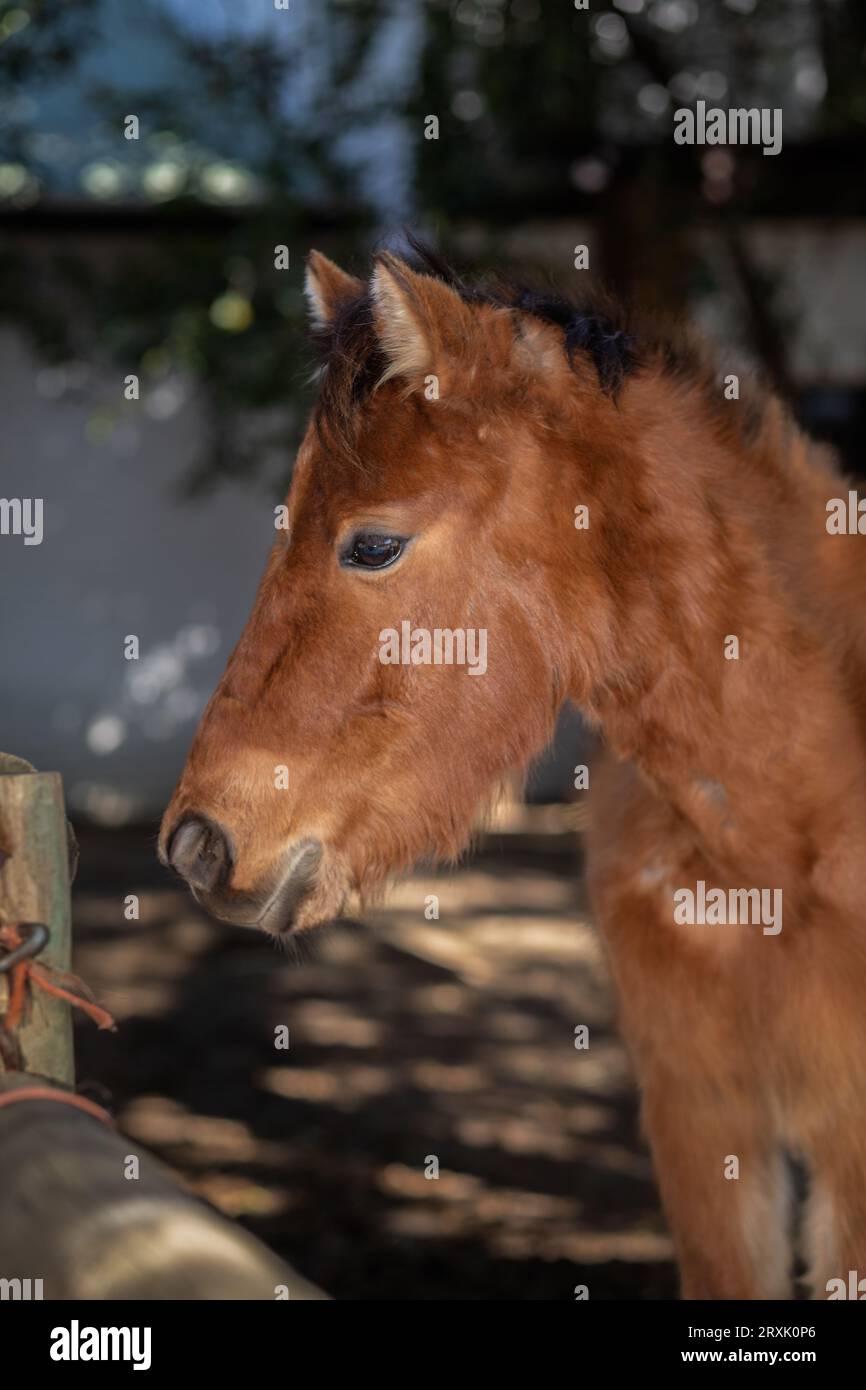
{"x":306,"y":127}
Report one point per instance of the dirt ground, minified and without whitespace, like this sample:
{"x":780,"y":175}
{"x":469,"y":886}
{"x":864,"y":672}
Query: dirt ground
{"x":413,"y":1043}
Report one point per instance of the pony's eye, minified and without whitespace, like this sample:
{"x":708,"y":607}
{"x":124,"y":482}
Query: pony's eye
{"x":372,"y":552}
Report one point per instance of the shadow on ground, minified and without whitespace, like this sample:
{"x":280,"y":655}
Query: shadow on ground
{"x":414,"y":1043}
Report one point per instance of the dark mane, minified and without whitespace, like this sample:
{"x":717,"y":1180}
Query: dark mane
{"x":353,"y":361}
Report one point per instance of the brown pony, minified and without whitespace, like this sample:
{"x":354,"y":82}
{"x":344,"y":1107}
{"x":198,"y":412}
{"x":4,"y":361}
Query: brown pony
{"x":504,"y":471}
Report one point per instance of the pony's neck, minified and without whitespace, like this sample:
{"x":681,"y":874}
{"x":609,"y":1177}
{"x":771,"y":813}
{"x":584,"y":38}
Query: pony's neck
{"x":718,"y":672}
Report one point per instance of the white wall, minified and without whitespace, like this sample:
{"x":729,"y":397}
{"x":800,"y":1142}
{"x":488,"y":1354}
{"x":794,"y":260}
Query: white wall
{"x":120,"y":555}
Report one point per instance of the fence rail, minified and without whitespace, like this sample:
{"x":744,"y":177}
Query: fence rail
{"x":84,"y":1213}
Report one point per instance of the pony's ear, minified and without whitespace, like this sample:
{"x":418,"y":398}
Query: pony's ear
{"x":422,"y":324}
{"x":327,"y":287}
{"x":539,"y":348}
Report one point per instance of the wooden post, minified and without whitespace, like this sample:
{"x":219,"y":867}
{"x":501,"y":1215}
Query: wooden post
{"x":85,"y":1212}
{"x":34,"y":887}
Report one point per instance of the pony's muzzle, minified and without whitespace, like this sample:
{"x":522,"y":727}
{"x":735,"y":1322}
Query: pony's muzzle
{"x":200,"y":851}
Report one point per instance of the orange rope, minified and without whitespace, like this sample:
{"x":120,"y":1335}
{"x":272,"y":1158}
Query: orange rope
{"x":101,"y":1017}
{"x":17,"y":986}
{"x":38,"y":975}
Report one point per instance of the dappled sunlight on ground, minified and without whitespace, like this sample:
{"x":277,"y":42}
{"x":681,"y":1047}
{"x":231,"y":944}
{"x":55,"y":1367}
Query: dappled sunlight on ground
{"x":416,"y":1045}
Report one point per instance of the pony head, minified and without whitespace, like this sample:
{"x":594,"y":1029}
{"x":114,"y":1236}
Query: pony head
{"x":413,"y":637}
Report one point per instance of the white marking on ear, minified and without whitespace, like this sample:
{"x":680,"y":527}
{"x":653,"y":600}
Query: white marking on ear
{"x":398,"y":324}
{"x":327,"y":287}
{"x":316,"y":307}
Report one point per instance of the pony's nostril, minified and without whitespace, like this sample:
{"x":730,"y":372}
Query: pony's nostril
{"x":199,"y":852}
